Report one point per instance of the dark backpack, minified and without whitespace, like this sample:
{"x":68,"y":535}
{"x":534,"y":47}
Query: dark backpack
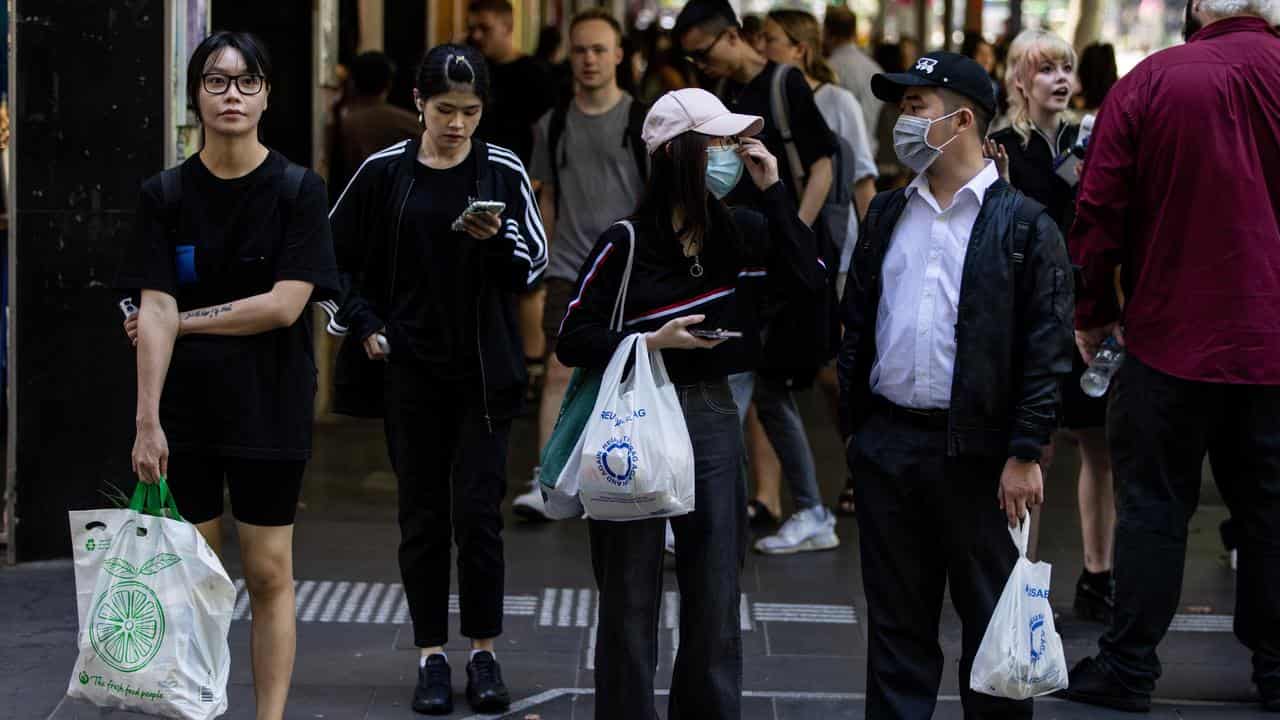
{"x":630,"y":139}
{"x":171,"y":193}
{"x":804,"y":324}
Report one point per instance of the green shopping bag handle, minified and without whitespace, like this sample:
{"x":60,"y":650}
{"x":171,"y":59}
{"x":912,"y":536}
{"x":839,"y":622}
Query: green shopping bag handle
{"x":155,"y":499}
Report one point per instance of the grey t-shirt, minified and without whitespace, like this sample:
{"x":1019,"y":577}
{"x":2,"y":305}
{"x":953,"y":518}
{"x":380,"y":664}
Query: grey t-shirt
{"x":854,"y":70}
{"x":600,"y":183}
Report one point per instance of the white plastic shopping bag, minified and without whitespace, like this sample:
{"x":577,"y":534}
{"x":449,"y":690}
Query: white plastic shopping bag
{"x":155,"y":607}
{"x":636,"y":460}
{"x":1021,"y":653}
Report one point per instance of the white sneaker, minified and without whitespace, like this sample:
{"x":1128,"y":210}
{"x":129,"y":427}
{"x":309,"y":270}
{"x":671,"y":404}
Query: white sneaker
{"x":812,"y":529}
{"x":670,"y":543}
{"x":529,"y":505}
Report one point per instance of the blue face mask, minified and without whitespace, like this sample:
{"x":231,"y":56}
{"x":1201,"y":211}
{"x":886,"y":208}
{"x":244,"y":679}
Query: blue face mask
{"x":724,"y":170}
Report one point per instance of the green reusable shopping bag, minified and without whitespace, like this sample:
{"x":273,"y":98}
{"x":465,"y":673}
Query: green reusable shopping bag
{"x":579,"y":401}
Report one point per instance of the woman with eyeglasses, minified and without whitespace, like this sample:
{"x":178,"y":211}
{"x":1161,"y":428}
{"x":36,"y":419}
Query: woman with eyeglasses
{"x":434,"y":284}
{"x":698,"y":266}
{"x":229,"y":249}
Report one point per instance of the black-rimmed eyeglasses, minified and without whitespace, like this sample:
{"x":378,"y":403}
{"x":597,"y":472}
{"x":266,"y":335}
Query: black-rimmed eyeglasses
{"x":218,"y":83}
{"x":699,"y":57}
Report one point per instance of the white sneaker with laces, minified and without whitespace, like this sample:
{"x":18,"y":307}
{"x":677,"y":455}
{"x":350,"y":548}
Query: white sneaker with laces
{"x":529,"y":505}
{"x":807,"y":530}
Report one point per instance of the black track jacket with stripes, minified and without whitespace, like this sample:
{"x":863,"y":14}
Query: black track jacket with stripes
{"x":366,"y":220}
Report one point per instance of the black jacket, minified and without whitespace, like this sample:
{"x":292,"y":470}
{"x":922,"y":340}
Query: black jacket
{"x":1031,"y":170}
{"x":1013,"y":329}
{"x":365,"y":224}
{"x":749,"y":254}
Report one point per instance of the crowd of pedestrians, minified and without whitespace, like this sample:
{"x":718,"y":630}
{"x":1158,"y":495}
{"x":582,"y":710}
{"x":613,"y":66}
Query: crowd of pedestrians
{"x":939,"y":242}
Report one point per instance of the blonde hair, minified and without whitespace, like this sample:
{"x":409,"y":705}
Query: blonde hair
{"x":1027,"y":51}
{"x":802,"y":29}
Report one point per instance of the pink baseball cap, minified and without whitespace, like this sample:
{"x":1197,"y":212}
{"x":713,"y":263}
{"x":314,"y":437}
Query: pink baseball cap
{"x":680,"y":111}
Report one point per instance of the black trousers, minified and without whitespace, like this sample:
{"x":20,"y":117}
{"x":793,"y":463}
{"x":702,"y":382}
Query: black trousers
{"x":926,"y":521}
{"x":451,"y":471}
{"x":1160,"y":429}
{"x":710,"y":549}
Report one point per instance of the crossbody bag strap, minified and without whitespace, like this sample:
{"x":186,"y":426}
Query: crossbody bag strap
{"x":782,"y":118}
{"x":616,"y":319}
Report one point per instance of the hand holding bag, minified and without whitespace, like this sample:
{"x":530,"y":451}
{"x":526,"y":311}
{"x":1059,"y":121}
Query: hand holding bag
{"x":1021,"y":653}
{"x":636,"y":460}
{"x":155,"y":608}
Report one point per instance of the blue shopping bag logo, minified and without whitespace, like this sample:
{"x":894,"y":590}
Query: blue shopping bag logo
{"x":617,"y":461}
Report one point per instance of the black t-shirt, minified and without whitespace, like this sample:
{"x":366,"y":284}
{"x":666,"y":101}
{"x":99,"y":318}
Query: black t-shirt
{"x":520,"y":92}
{"x":813,"y":139}
{"x":436,"y":284}
{"x":253,"y":396}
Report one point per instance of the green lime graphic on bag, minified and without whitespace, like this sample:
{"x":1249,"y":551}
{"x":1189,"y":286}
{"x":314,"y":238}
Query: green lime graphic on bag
{"x":155,"y":607}
{"x":128,"y":621}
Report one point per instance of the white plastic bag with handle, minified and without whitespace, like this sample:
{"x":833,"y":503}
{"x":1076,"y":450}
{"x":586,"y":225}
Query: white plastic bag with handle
{"x":155,"y":607}
{"x":636,"y":460}
{"x":1021,"y":653}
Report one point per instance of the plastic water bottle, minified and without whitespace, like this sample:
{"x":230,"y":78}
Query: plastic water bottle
{"x":1066,"y":163}
{"x":1097,"y":378}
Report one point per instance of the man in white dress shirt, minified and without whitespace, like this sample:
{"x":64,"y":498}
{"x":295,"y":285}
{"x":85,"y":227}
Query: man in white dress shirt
{"x":957,"y":329}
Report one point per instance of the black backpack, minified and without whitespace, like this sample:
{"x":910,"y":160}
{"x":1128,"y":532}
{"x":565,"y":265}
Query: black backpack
{"x":171,"y":194}
{"x":630,"y":139}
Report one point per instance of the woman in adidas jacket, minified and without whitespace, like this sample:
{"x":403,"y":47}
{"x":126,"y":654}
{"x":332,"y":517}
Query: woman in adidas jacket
{"x":697,"y":265}
{"x":430,"y":303}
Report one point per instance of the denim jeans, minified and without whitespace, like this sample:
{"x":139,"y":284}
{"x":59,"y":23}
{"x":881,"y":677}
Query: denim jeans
{"x":627,"y":559}
{"x":776,"y":406}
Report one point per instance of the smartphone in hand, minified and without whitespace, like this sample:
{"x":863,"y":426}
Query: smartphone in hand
{"x":715,"y":334}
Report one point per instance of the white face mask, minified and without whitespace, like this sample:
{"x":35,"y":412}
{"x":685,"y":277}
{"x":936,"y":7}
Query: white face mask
{"x":911,"y":141}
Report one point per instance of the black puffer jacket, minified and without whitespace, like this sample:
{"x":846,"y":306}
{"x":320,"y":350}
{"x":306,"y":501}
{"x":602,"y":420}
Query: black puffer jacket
{"x":1013,"y":328}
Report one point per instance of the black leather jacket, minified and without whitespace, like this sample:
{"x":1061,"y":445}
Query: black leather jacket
{"x":1013,"y":329}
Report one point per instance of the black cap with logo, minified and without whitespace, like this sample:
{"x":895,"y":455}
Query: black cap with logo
{"x":952,"y":71}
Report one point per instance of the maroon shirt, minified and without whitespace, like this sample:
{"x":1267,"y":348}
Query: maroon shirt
{"x":1182,"y":187}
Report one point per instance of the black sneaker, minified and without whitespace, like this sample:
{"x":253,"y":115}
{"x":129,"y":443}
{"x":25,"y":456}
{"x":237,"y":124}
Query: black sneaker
{"x":434,"y":693}
{"x":1091,"y":684}
{"x":485,"y":690}
{"x":1094,"y":602}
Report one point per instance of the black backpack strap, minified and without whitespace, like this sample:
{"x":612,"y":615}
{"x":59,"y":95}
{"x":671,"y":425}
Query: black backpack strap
{"x":555,"y":131}
{"x":885,"y":204}
{"x":633,"y":138}
{"x":171,"y":186}
{"x":293,"y":176}
{"x":1025,"y":220}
